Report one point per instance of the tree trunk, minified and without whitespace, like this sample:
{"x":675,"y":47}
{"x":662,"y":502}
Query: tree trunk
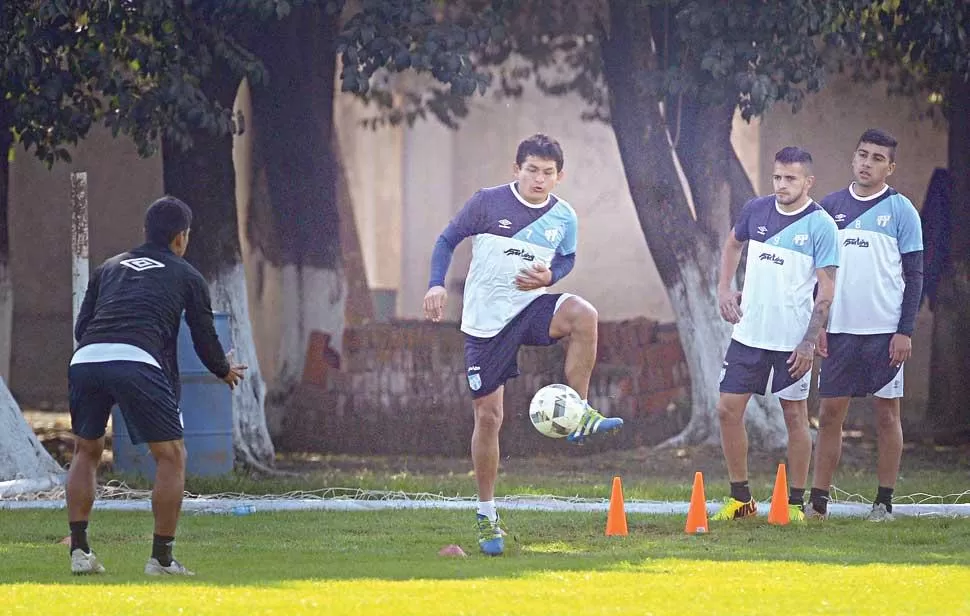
{"x":6,"y":285}
{"x":21,"y":454}
{"x":949,"y":387}
{"x":296,"y":230}
{"x":205,"y":179}
{"x":685,"y":254}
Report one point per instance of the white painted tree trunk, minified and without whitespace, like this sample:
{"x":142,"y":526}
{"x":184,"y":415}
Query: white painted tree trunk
{"x":313,"y":299}
{"x":6,"y":320}
{"x":21,"y":454}
{"x":251,"y":440}
{"x":704,"y":336}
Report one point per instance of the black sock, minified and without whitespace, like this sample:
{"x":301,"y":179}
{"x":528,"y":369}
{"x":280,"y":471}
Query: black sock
{"x":796,"y":496}
{"x":885,"y":496}
{"x":820,"y":500}
{"x":162,"y":549}
{"x":740,"y":491}
{"x":79,"y":536}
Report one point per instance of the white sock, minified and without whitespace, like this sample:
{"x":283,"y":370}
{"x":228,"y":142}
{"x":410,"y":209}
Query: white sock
{"x":487,"y":509}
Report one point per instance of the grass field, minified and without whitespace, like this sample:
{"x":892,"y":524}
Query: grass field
{"x":558,"y":563}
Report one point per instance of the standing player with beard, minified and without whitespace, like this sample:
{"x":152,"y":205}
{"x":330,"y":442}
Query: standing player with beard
{"x":871,"y":325}
{"x":791,"y":244}
{"x":524,"y":240}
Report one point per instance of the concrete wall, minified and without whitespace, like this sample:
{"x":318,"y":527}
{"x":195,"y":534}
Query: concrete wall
{"x":121,"y":185}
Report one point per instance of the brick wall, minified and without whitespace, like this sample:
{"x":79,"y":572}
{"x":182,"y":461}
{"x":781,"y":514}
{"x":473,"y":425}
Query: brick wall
{"x":400,"y":389}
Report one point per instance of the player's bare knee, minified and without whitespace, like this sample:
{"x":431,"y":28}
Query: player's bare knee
{"x":488,"y":416}
{"x":584,"y":317}
{"x":729,"y":413}
{"x":169,"y":453}
{"x":90,"y":449}
{"x":887,"y":412}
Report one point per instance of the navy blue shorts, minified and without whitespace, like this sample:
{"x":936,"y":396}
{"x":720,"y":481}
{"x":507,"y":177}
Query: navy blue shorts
{"x":489,"y":362}
{"x":142,"y":392}
{"x":859,"y":365}
{"x":748,"y":370}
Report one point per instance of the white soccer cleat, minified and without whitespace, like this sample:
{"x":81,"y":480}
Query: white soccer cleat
{"x":84,"y":563}
{"x":153,"y":567}
{"x":879,"y":513}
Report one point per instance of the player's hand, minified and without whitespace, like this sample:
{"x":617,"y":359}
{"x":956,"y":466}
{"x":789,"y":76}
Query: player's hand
{"x":900,"y":349}
{"x":729,"y":302}
{"x":235,"y":373}
{"x":535,"y":277}
{"x":822,"y":344}
{"x":800,"y":360}
{"x":434,"y":303}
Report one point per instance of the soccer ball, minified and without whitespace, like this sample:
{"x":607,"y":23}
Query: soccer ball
{"x":556,"y":410}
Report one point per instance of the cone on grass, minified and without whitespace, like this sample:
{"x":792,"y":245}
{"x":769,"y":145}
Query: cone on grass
{"x":616,"y":518}
{"x":697,"y":512}
{"x":778,"y":514}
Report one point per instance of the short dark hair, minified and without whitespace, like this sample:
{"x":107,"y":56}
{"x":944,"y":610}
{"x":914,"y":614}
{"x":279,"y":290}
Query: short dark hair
{"x":793,"y":154}
{"x":877,"y":136}
{"x":540,"y":146}
{"x":166,"y":218}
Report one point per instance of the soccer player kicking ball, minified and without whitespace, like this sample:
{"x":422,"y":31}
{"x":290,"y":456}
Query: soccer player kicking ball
{"x":524,"y":239}
{"x":791,"y":244}
{"x":127,"y":333}
{"x":876,"y":301}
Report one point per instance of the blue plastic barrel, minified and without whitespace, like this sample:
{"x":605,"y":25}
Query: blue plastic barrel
{"x":206,"y":405}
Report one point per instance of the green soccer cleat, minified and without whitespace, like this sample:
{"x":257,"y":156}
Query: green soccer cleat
{"x":734,"y":509}
{"x":795,"y":513}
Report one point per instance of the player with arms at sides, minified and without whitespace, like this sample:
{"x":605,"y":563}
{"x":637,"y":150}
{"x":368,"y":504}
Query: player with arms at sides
{"x":871,"y":325}
{"x":792,"y":244}
{"x":524,"y":240}
{"x":127,"y":334}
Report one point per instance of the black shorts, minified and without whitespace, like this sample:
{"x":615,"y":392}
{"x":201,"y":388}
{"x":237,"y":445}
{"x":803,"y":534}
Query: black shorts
{"x":489,"y":362}
{"x":859,"y":365}
{"x":749,"y":370}
{"x":142,"y":392}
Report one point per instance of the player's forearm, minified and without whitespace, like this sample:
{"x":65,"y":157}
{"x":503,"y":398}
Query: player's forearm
{"x":823,"y":304}
{"x":730,"y":259}
{"x":440,"y":261}
{"x":561,"y":265}
{"x":912,"y":292}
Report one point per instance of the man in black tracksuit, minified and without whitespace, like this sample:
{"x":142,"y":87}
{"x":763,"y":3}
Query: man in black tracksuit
{"x":127,"y":332}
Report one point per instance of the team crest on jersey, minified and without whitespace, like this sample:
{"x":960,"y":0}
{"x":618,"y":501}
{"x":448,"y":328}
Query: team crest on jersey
{"x":554,"y":234}
{"x":800,"y":239}
{"x":140,"y":264}
{"x":883,"y":220}
{"x":475,"y":381}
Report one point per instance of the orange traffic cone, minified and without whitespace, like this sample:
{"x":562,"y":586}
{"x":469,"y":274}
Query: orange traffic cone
{"x":697,"y":512}
{"x":616,"y":518}
{"x":778,"y":514}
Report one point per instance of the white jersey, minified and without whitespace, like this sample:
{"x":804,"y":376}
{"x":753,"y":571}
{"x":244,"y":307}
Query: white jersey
{"x":784,"y":252}
{"x":874,"y":233}
{"x":509,"y":234}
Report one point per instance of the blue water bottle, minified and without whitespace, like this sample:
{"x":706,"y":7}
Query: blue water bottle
{"x":243,"y":509}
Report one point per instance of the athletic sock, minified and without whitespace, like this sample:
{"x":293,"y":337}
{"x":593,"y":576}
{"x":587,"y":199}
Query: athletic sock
{"x":162,"y":549}
{"x":79,"y":536}
{"x":796,"y":496}
{"x":820,"y":500}
{"x":884,"y":495}
{"x":740,"y":491}
{"x":487,"y":509}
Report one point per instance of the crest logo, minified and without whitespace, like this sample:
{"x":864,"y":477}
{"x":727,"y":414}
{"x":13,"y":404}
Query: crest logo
{"x":553,"y":235}
{"x":800,"y":239}
{"x":883,"y":220}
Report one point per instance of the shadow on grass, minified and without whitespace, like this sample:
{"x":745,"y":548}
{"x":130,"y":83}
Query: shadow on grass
{"x":272,"y":548}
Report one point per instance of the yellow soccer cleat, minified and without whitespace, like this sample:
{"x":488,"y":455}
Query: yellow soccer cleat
{"x":734,"y":509}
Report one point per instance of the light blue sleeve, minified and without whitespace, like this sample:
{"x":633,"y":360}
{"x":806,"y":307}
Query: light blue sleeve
{"x":909,"y":229}
{"x":826,"y":239}
{"x":570,"y":235}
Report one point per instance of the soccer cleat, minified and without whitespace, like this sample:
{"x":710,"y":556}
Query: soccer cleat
{"x":153,"y":567}
{"x":84,"y":563}
{"x":491,"y":537}
{"x":795,"y":513}
{"x":812,"y":513}
{"x":734,"y":509}
{"x":879,"y":513}
{"x":594,"y":422}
